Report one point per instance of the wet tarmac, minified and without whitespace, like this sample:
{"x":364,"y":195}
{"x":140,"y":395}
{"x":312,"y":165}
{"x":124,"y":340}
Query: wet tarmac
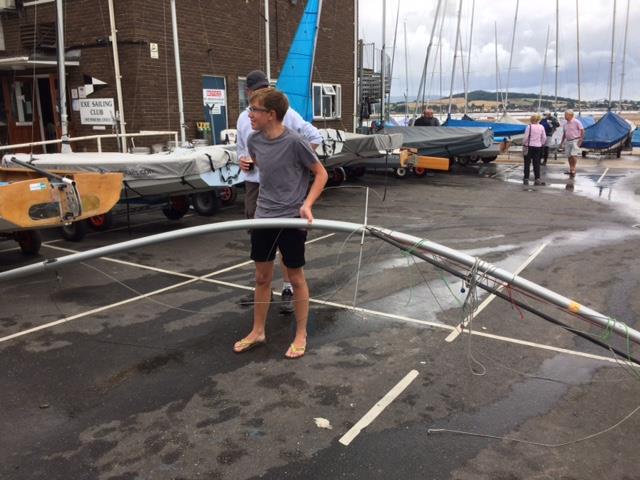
{"x":121,"y":368}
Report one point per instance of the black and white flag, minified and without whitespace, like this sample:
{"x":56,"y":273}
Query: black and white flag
{"x":92,"y":84}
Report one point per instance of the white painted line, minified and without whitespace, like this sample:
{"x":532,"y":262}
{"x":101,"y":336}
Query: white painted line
{"x":603,"y":175}
{"x":9,"y":249}
{"x":377,"y":409}
{"x":91,"y":312}
{"x":459,"y":328}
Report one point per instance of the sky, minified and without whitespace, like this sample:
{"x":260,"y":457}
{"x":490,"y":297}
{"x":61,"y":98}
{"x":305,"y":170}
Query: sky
{"x":526,"y":73}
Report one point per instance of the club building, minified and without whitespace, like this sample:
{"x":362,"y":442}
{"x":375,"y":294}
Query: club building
{"x":220,"y":41}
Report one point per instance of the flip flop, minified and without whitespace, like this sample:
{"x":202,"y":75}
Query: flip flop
{"x":245,"y":345}
{"x":296,"y":352}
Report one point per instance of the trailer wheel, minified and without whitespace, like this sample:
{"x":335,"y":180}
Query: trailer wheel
{"x":29,"y":241}
{"x":206,"y":203}
{"x":400,"y":172}
{"x":354,"y":172}
{"x":618,"y":152}
{"x":488,"y":159}
{"x":419,"y":172}
{"x":101,"y":222}
{"x":228,"y":195}
{"x":177,"y":208}
{"x":464,"y":161}
{"x":337,"y":176}
{"x":584,"y":154}
{"x":74,"y":232}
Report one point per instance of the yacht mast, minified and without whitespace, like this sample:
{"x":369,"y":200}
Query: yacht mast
{"x":176,"y":53}
{"x":423,"y":79}
{"x":406,"y":77}
{"x":495,"y":33}
{"x":578,"y":57}
{"x":455,"y":56}
{"x":116,"y":70}
{"x":513,"y":40}
{"x":382,"y":59}
{"x":393,"y":52}
{"x":62,"y":81}
{"x":613,"y":37}
{"x":466,"y":90}
{"x":544,"y":69}
{"x":624,"y":53}
{"x":555,"y":101}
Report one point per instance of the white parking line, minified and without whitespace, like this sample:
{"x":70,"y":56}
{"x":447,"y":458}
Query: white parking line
{"x":459,"y":328}
{"x":603,"y":175}
{"x":377,"y":409}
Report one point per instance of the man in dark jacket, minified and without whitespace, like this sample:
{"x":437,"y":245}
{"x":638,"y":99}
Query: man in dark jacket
{"x":550,"y":123}
{"x":427,"y":119}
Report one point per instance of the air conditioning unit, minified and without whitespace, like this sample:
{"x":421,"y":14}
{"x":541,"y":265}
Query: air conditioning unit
{"x":7,"y":4}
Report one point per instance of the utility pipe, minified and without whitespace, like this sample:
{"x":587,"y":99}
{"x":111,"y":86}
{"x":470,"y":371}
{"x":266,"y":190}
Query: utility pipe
{"x":116,"y":67}
{"x":176,"y":54}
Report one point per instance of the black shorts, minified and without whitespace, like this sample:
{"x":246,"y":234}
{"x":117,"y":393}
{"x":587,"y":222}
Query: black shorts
{"x":290,"y":241}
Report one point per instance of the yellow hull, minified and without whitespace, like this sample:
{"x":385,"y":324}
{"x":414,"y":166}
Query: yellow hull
{"x":29,"y":200}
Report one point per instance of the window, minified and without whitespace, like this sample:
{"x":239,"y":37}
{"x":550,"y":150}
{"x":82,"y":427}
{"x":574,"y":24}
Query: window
{"x":327,"y":101}
{"x":22,"y":102}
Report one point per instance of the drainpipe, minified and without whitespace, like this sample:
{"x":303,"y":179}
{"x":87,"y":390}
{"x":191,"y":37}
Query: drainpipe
{"x":267,"y":33}
{"x":176,"y":53}
{"x":116,"y":67}
{"x":62,"y":81}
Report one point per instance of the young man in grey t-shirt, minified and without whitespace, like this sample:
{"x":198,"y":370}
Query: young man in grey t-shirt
{"x":285,"y":160}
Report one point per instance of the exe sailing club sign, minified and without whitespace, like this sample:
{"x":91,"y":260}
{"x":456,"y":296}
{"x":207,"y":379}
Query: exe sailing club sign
{"x":97,"y":111}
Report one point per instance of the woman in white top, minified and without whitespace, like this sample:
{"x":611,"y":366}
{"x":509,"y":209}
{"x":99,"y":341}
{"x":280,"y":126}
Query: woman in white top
{"x":534,"y":141}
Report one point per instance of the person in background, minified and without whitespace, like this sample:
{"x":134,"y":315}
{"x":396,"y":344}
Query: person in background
{"x":427,"y":119}
{"x":572,"y":136}
{"x":286,"y":161}
{"x":257,"y":80}
{"x":550,"y":124}
{"x":534,"y":141}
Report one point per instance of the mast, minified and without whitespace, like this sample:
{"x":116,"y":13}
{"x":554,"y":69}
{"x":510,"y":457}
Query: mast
{"x":613,"y":37}
{"x":116,"y":69}
{"x":406,"y":77}
{"x":578,"y":57}
{"x":423,"y":79}
{"x":513,"y":39}
{"x":393,"y":52}
{"x":267,"y":34}
{"x":495,"y":33}
{"x":466,"y":90}
{"x":624,"y":53}
{"x":382,"y":59}
{"x":544,"y":68}
{"x":455,"y":56}
{"x":357,"y":69}
{"x":176,"y":52}
{"x":62,"y":79}
{"x":555,"y":101}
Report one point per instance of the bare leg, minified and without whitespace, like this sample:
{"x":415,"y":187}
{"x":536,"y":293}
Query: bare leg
{"x":262,"y":299}
{"x":573,"y":161}
{"x":301,"y":303}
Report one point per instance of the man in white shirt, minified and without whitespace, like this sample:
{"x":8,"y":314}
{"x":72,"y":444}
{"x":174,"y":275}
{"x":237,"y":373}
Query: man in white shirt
{"x":257,"y":80}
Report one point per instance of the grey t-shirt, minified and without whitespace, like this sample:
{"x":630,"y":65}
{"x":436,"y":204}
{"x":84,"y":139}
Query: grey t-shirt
{"x":284,"y":164}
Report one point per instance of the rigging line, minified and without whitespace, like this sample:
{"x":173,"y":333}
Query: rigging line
{"x":528,"y":442}
{"x":501,"y":295}
{"x":366,"y":213}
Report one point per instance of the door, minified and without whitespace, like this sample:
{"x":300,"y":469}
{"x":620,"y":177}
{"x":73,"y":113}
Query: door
{"x":214,"y":100}
{"x":23,"y":121}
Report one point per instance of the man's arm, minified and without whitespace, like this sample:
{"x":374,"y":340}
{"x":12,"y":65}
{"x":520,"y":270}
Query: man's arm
{"x":311,"y":134}
{"x":319,"y":181}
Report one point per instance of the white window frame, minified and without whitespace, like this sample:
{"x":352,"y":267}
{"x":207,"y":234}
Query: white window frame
{"x":331,"y":92}
{"x":242,"y":85}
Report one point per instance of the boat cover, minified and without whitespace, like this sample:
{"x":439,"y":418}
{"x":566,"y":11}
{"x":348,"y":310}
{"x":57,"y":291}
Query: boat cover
{"x":607,"y":132}
{"x":499,"y":129}
{"x":444,"y":141}
{"x":586,"y":120}
{"x":635,"y":140}
{"x":340,"y":148}
{"x":180,"y":170}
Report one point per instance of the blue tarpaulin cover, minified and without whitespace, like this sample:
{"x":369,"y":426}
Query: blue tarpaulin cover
{"x":295,"y":77}
{"x":586,"y":120}
{"x":499,"y":129}
{"x":606,"y":132}
{"x":635,"y":140}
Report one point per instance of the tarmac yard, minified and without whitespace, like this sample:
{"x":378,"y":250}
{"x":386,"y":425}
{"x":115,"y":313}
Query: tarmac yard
{"x":122,"y":367}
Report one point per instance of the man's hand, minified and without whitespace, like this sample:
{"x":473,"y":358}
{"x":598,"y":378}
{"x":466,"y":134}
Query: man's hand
{"x":305,"y":212}
{"x":246,"y":164}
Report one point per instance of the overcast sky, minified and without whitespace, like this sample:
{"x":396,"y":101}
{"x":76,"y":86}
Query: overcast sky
{"x":534,"y":17}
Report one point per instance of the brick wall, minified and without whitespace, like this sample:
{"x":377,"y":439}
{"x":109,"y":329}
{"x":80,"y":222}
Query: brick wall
{"x":217,"y":37}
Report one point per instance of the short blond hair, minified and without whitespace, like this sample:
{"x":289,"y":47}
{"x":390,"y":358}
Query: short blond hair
{"x":535,"y":118}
